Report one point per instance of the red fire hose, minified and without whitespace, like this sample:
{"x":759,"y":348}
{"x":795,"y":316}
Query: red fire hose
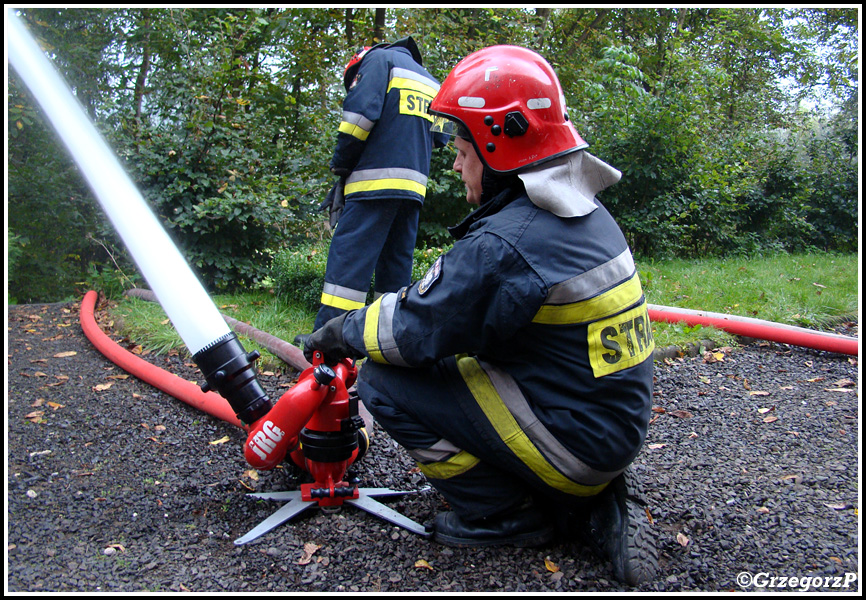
{"x":209,"y":402}
{"x":757,"y":328}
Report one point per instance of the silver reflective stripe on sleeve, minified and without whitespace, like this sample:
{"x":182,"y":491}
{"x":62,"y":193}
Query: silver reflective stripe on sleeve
{"x":593,"y":282}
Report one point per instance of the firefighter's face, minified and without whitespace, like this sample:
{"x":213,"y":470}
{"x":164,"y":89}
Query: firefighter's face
{"x":470,"y":168}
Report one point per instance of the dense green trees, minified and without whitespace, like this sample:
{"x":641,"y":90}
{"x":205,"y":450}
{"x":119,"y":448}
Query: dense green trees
{"x":735,"y":128}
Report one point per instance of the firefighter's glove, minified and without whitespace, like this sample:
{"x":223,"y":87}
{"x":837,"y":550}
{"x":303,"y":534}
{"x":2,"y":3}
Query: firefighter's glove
{"x":334,"y":202}
{"x":329,"y":340}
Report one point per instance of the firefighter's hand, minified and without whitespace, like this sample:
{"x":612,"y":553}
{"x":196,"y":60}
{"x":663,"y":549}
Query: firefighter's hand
{"x":329,"y":340}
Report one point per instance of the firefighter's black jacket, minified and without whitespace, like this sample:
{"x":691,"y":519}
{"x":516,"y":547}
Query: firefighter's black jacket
{"x":384,"y":142}
{"x":549,"y":312}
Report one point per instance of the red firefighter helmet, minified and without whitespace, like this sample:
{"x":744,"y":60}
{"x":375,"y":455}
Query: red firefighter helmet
{"x":352,"y":66}
{"x":508,"y":100}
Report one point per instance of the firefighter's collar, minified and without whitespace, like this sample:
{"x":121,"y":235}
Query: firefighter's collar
{"x":567,"y":185}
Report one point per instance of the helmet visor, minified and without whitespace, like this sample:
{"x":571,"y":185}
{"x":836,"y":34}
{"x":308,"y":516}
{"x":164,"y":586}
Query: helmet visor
{"x":449,"y":127}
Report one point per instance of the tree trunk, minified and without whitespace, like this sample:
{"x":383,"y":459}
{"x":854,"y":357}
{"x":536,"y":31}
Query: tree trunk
{"x":543,"y":15}
{"x":350,"y":29}
{"x":379,"y":27}
{"x":141,"y":78}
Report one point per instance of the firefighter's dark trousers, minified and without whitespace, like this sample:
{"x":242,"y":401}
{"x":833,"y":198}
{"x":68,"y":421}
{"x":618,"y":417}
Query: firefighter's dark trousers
{"x":371,"y":237}
{"x":433,"y":415}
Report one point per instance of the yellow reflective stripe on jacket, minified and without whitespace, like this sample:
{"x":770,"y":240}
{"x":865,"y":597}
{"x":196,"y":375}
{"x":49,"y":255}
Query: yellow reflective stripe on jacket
{"x":353,"y":130}
{"x":385,"y":184}
{"x":407,"y":79}
{"x":371,"y":332}
{"x":405,"y":83}
{"x":379,"y":333}
{"x":511,"y":433}
{"x":604,"y":305}
{"x":356,"y":125}
{"x":456,"y":465}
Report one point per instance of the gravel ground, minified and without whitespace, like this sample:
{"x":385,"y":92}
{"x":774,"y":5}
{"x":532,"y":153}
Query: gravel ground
{"x":751,"y":466}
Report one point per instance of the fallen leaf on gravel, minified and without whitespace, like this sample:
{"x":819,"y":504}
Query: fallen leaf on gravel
{"x":844,"y":390}
{"x":123,"y":376}
{"x":845,"y":383}
{"x":757,"y":393}
{"x":763,"y":510}
{"x":116,"y":547}
{"x":40,"y":374}
{"x":422,"y":564}
{"x":830,"y":403}
{"x":658,"y":409}
{"x":838,"y":505}
{"x":815,"y":379}
{"x":682,"y":414}
{"x":682,"y":540}
{"x":252,"y":474}
{"x":693,"y":435}
{"x":550,"y":565}
{"x":656,"y":446}
{"x":102,"y":387}
{"x":55,"y":405}
{"x":35,"y":416}
{"x":713,"y":357}
{"x":648,"y":516}
{"x":766,"y":410}
{"x":309,"y":550}
{"x":770,"y":419}
{"x":65,"y":354}
{"x":38,"y":402}
{"x":222,"y":440}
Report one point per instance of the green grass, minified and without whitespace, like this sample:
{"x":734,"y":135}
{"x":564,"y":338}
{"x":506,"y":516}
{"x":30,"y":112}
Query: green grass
{"x":815,"y":291}
{"x":146,"y":323}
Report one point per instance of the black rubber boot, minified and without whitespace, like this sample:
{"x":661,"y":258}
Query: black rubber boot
{"x":618,"y":530}
{"x":524,"y":527}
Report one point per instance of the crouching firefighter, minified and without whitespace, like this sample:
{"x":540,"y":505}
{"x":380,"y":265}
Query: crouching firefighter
{"x":518,"y":370}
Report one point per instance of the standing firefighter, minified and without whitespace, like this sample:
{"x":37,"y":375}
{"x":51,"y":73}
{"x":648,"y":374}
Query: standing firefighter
{"x":518,"y":371}
{"x":382,"y":158}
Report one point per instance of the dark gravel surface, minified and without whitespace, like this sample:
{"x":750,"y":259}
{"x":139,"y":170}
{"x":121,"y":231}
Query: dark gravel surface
{"x":751,"y":466}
